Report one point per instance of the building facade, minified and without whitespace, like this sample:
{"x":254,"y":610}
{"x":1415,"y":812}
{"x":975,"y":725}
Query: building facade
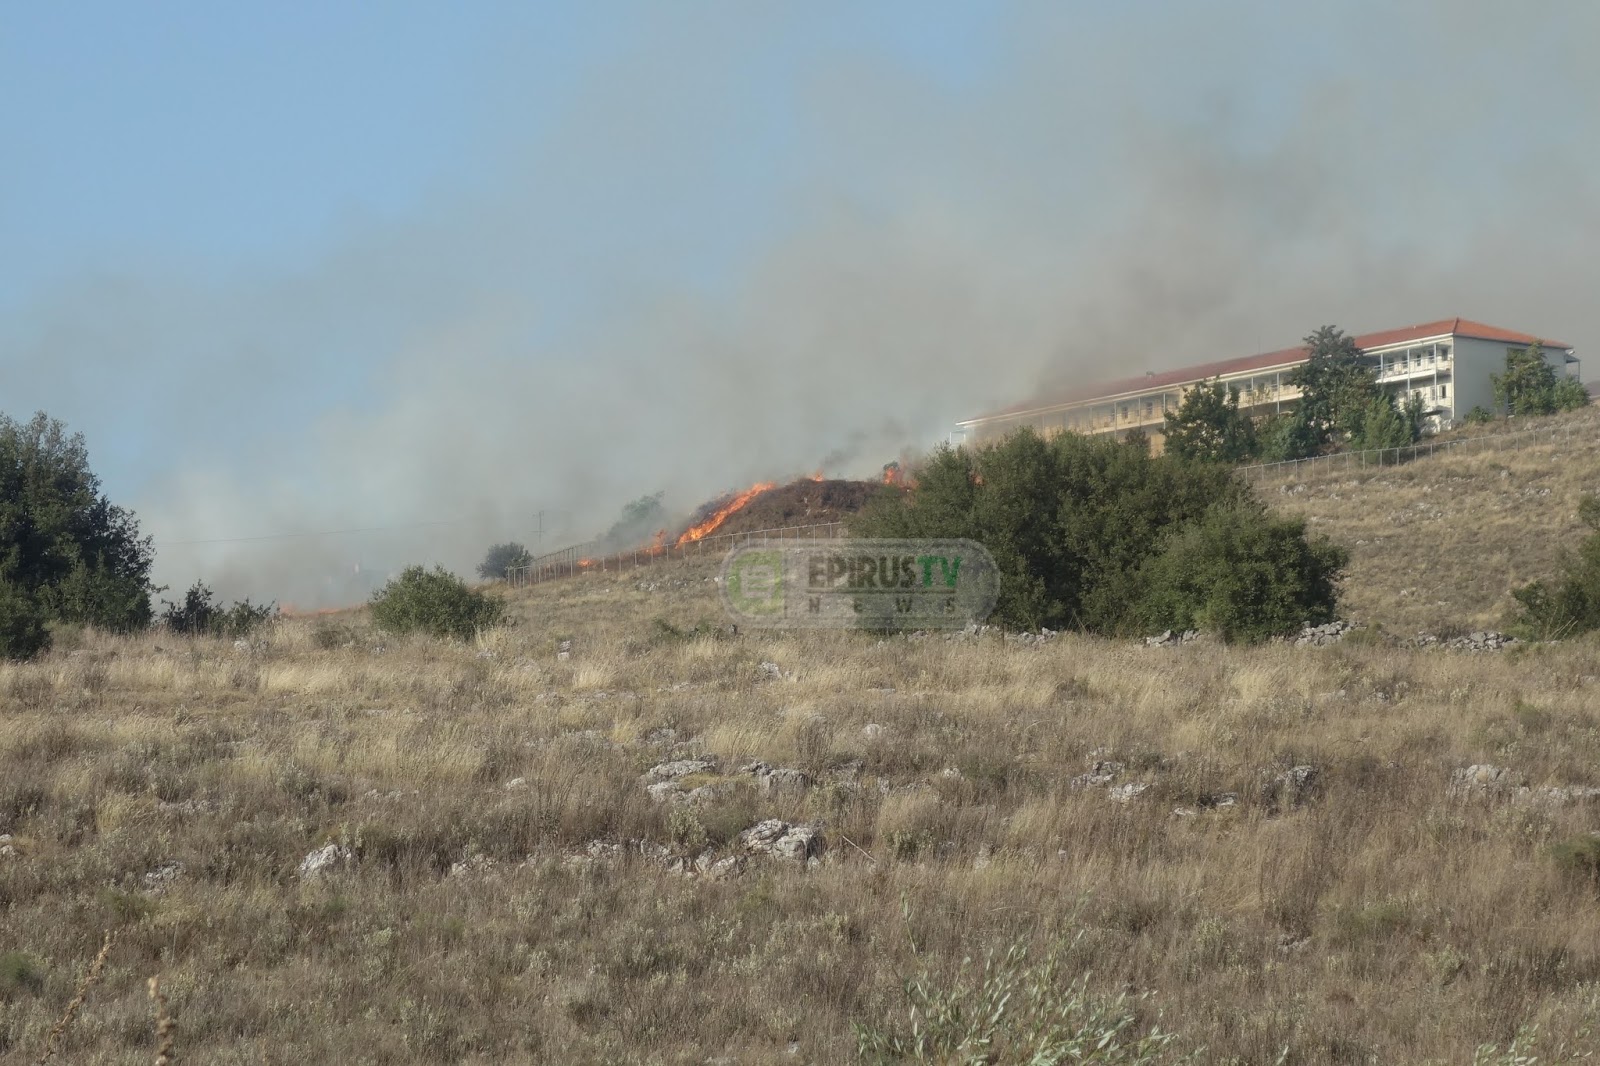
{"x":1448,"y":364}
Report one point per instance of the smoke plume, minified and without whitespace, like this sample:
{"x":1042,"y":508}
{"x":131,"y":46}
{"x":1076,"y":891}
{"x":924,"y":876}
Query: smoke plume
{"x":668,"y":290}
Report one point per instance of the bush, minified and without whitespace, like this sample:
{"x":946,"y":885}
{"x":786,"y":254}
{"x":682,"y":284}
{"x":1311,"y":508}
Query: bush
{"x":1280,"y":438}
{"x":501,"y":558}
{"x":435,"y":602}
{"x":23,"y":629}
{"x":1570,"y":604}
{"x":1569,"y":394}
{"x":1479,"y":415}
{"x":1074,"y":523}
{"x":1015,"y":1011}
{"x":198,"y":616}
{"x":1387,"y":424}
{"x":1243,"y":574}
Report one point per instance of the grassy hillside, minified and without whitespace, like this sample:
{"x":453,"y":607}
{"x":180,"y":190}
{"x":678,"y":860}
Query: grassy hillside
{"x":1436,"y":545}
{"x":536,"y":846}
{"x":512,"y":892}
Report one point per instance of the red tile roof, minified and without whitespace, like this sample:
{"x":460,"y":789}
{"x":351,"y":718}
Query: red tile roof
{"x":1284,"y":357}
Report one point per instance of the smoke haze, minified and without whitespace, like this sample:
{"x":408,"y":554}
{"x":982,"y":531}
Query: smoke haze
{"x":670,"y":287}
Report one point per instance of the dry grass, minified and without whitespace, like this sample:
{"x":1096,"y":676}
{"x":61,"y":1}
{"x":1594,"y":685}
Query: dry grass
{"x":1373,"y":918}
{"x":1438,"y":544}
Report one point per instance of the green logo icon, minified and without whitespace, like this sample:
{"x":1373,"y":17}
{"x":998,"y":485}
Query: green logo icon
{"x":754,"y":583}
{"x":860,"y":584}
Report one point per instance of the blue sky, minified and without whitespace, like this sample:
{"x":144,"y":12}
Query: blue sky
{"x":298,"y":267}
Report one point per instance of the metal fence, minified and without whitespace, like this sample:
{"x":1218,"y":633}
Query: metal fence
{"x":1350,"y":462}
{"x":591,"y":557}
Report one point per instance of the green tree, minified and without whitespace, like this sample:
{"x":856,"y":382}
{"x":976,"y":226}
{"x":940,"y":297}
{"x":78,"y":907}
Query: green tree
{"x":1531,"y":386}
{"x":500,"y":558}
{"x":641,"y":519}
{"x":199,"y":615}
{"x":63,"y":544}
{"x":434,"y":602}
{"x":1386,"y":424}
{"x":1208,"y":426}
{"x":23,"y":633}
{"x":1336,"y":387}
{"x":1072,"y":523}
{"x":1286,"y":436}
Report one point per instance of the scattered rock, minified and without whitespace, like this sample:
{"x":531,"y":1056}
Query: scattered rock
{"x":158,"y":879}
{"x":1102,"y":773}
{"x":780,"y":781}
{"x":515,"y":783}
{"x":1555,"y":795}
{"x":774,"y":672}
{"x":1289,"y":789}
{"x":1323,"y":635}
{"x":671,"y":771}
{"x":1482,"y":780}
{"x":872,"y":730}
{"x":1482,"y":641}
{"x":1127,"y":792}
{"x":7,"y":848}
{"x":474,"y":863}
{"x":708,"y":865}
{"x":326,"y":859}
{"x":1167,"y":638}
{"x":782,"y":840}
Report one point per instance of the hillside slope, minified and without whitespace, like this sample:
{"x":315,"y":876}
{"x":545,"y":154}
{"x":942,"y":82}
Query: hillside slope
{"x":1437,"y":544}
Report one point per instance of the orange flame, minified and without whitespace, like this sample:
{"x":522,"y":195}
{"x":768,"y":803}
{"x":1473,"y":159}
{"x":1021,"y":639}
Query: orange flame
{"x":817,"y":477}
{"x":584,"y":564}
{"x":701,"y":530}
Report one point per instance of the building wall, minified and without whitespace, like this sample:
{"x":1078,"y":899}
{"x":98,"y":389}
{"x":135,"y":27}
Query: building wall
{"x":1450,"y":386}
{"x":1476,"y":362}
{"x":1480,"y":360}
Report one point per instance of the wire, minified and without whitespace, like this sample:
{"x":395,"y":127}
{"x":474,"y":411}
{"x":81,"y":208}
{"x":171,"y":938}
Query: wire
{"x":338,"y":532}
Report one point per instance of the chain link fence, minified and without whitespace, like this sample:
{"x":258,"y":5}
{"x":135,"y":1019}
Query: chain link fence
{"x":1350,"y":462}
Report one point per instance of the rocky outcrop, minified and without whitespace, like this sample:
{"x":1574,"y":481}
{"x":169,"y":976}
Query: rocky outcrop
{"x":327,"y":859}
{"x":782,"y":840}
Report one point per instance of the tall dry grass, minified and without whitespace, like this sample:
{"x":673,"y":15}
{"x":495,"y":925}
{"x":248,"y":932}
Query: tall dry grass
{"x":168,"y":790}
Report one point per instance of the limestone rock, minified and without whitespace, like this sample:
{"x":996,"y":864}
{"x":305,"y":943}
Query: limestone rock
{"x":326,"y":859}
{"x":782,"y":840}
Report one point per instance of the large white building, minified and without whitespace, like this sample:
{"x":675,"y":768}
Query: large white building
{"x":1448,"y":363}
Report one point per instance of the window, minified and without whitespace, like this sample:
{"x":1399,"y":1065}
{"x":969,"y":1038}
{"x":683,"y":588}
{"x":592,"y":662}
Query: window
{"x":1444,"y":392}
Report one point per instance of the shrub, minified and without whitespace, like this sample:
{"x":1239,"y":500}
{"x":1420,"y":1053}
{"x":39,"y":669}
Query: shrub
{"x":1579,"y":856}
{"x":1074,"y":523}
{"x":23,"y":629}
{"x":199,"y":616}
{"x":1015,"y":1011}
{"x":501,"y":558}
{"x":20,"y":972}
{"x":1280,"y":438}
{"x":1479,"y":415}
{"x":1570,"y":604}
{"x":1387,"y":424}
{"x":1243,"y":574}
{"x":435,"y":602}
